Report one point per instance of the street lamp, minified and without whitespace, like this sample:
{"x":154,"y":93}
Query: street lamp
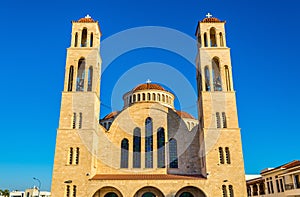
{"x":39,"y":185}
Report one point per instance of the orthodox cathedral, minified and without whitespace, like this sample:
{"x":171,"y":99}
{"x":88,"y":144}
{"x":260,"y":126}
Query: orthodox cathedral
{"x":148,"y":149}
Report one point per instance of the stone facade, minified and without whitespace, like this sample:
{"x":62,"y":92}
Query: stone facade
{"x":148,"y":148}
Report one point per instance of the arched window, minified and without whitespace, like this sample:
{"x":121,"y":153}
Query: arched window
{"x":139,"y":97}
{"x":70,"y":82}
{"x":186,"y":194}
{"x":148,"y":194}
{"x":205,"y":40}
{"x":154,"y":97}
{"x":68,"y":191}
{"x":137,"y":148}
{"x":224,"y":190}
{"x":91,"y":40}
{"x":90,"y":78}
{"x":199,"y":40}
{"x":71,"y":156}
{"x":213,"y":37}
{"x":77,"y":156}
{"x":221,"y":155}
{"x":80,"y":75}
{"x":134,"y":98}
{"x":227,"y":153}
{"x":173,"y":153}
{"x":74,"y":121}
{"x":216,"y":74}
{"x":84,"y":37}
{"x":130,"y":99}
{"x":167,"y":99}
{"x":149,"y":143}
{"x":224,"y":120}
{"x":207,"y":78}
{"x":149,"y":96}
{"x":80,"y":120}
{"x":144,"y":97}
{"x":124,"y":153}
{"x":161,"y":148}
{"x":218,"y":121}
{"x":221,"y":39}
{"x":111,"y":194}
{"x":227,"y":75}
{"x":76,"y":40}
{"x":163,"y":98}
{"x":231,"y":193}
{"x":74,"y":190}
{"x":158,"y":97}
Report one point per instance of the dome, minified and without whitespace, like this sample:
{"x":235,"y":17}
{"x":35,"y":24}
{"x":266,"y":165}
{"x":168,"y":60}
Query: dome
{"x":183,"y":114}
{"x":148,"y":86}
{"x":86,"y":19}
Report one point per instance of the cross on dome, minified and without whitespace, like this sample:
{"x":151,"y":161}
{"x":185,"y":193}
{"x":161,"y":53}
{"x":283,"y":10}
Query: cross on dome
{"x":148,"y":81}
{"x":87,"y":16}
{"x":208,"y":15}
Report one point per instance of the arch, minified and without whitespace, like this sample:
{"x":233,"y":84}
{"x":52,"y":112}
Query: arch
{"x":173,"y":157}
{"x":153,"y":97}
{"x":216,"y":74}
{"x":158,"y":97}
{"x":130,"y":99}
{"x":84,"y":37}
{"x":205,"y":40}
{"x":91,"y":40}
{"x":80,"y":75}
{"x":111,"y":194}
{"x":144,"y":96}
{"x":213,"y":37}
{"x":139,"y":97}
{"x":90,"y":78}
{"x":137,"y":148}
{"x":70,"y":82}
{"x":161,"y":148}
{"x":224,"y":190}
{"x":227,"y":77}
{"x":231,"y":192}
{"x":124,"y":153}
{"x":108,"y":190}
{"x":148,"y":191}
{"x":221,"y":39}
{"x":207,"y":78}
{"x":148,"y":143}
{"x":148,"y":96}
{"x":218,"y":120}
{"x":224,"y":120}
{"x":134,"y":98}
{"x":163,"y":98}
{"x":76,"y":40}
{"x":190,"y":191}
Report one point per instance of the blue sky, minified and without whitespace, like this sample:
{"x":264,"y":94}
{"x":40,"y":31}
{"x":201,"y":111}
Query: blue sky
{"x":264,"y":46}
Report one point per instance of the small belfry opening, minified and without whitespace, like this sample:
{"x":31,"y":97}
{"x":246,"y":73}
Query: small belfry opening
{"x":84,"y":37}
{"x":207,"y":78}
{"x":80,"y":75}
{"x":221,"y":39}
{"x":213,"y":39}
{"x":216,"y":74}
{"x":91,"y":40}
{"x":205,"y":40}
{"x":76,"y":40}
{"x":90,"y":78}
{"x":70,"y":82}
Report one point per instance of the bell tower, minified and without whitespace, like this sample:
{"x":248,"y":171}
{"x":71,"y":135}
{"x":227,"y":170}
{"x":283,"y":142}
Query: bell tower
{"x":220,"y":132}
{"x":76,"y":142}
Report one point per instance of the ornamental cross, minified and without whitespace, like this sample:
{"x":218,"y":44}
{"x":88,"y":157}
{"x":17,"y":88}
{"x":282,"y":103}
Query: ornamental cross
{"x":148,"y":81}
{"x":88,"y":16}
{"x":208,"y":15}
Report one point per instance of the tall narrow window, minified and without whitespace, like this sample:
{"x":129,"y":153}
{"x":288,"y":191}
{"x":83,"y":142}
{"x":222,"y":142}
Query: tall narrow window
{"x":227,"y":153}
{"x":68,"y":191}
{"x":80,"y":75}
{"x":84,"y":37}
{"x":90,"y":78}
{"x":221,"y":155}
{"x":216,"y":75}
{"x":124,"y":153}
{"x":199,"y":40}
{"x":224,"y":190}
{"x":158,"y":97}
{"x":139,"y":97}
{"x":74,"y":121}
{"x":227,"y":75}
{"x":224,"y":120}
{"x":137,"y":148}
{"x":77,"y":156}
{"x":80,"y":120}
{"x":161,"y":148}
{"x":205,"y":40}
{"x":134,"y":98}
{"x":70,"y":82}
{"x":163,"y":98}
{"x":148,"y":143}
{"x":218,"y":121}
{"x":71,"y":156}
{"x":213,"y":37}
{"x":76,"y":40}
{"x":173,"y":153}
{"x":221,"y":39}
{"x":231,"y":193}
{"x":207,"y":79}
{"x":148,"y":96}
{"x":154,"y":97}
{"x":74,"y":190}
{"x":91,"y":40}
{"x":144,"y":96}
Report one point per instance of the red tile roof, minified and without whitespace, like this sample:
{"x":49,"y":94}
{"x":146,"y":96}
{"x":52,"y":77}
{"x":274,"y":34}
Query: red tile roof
{"x":212,"y":20}
{"x":148,"y":86}
{"x":284,"y":166}
{"x":111,"y":115}
{"x":183,"y":114}
{"x":145,"y":177}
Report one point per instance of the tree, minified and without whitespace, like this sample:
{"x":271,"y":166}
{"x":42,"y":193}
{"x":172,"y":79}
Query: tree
{"x":4,"y":192}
